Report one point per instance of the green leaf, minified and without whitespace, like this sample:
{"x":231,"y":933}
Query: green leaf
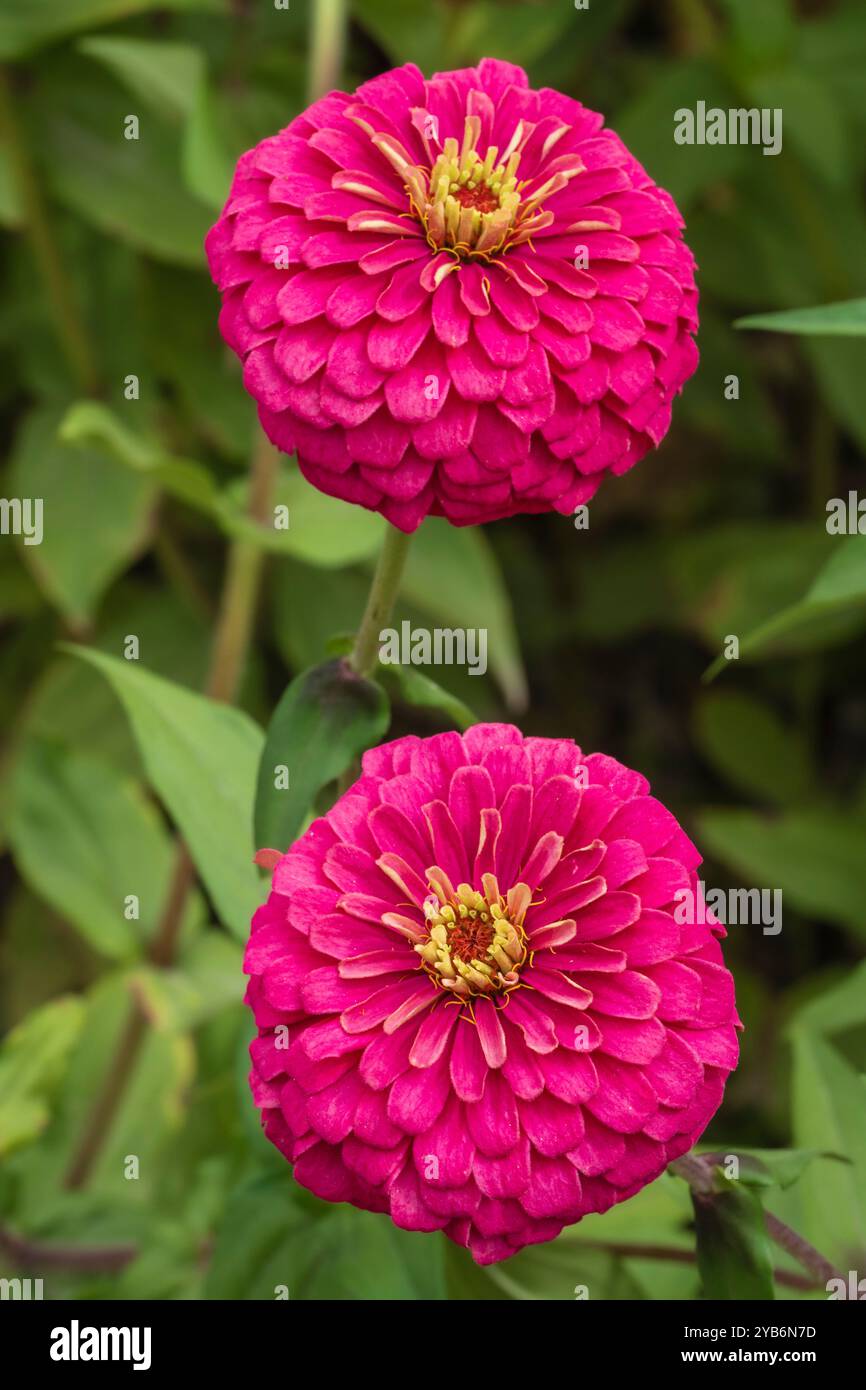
{"x":833,"y":45}
{"x":843,"y":578}
{"x":410,"y":32}
{"x":326,"y":718}
{"x":839,"y":1008}
{"x":85,"y":837}
{"x":418,"y":691}
{"x":162,"y":73}
{"x":132,"y":189}
{"x":33,"y":1059}
{"x":814,"y":123}
{"x":729,"y":578}
{"x":275,"y":1237}
{"x":26,"y":27}
{"x":435,"y":36}
{"x":311,"y":604}
{"x":452,"y":574}
{"x":559,"y":1271}
{"x":178,"y":321}
{"x":72,"y":703}
{"x":834,"y":608}
{"x":752,"y":748}
{"x":95,"y":517}
{"x":733,"y":1247}
{"x":322,"y":530}
{"x":839,"y":364}
{"x":38,"y":959}
{"x":171,"y":78}
{"x":829,"y":1112}
{"x":775,"y":1167}
{"x":90,"y":425}
{"x":814,"y":856}
{"x":201,"y":759}
{"x":207,"y":164}
{"x":847,"y":319}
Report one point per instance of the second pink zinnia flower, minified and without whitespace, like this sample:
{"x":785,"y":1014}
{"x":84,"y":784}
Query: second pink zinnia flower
{"x":456,"y":296}
{"x":477,"y":1007}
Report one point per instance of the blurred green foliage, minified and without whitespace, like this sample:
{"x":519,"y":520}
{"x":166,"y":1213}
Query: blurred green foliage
{"x":605,"y":634}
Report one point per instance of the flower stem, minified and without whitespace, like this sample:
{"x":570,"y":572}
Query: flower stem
{"x":821,"y":1270}
{"x":327,"y":45}
{"x":71,"y":331}
{"x":231,"y":642}
{"x":240,"y":593}
{"x":380,"y":600}
{"x":673,"y":1254}
{"x":25,"y":1253}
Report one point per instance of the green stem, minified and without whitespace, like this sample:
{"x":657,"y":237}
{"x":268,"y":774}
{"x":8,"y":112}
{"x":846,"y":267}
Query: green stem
{"x":380,"y":600}
{"x":240,"y":594}
{"x":327,"y":45}
{"x":46,"y":253}
{"x":231,"y":643}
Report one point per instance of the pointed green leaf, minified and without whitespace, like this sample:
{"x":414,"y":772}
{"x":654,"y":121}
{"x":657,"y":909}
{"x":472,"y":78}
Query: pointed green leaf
{"x":845,"y":319}
{"x":326,"y":718}
{"x":834,"y":608}
{"x":201,"y":759}
{"x":776,"y":1167}
{"x":413,"y":688}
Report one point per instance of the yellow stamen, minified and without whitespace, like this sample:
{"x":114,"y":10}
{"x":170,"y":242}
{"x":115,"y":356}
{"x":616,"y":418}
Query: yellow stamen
{"x":476,"y":943}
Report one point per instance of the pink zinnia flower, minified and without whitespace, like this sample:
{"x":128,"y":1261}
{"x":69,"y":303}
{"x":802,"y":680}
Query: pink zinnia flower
{"x":477,"y":1009}
{"x":403,"y":276}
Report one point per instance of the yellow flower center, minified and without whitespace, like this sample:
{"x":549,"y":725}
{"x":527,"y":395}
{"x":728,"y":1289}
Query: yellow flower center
{"x":476,"y":943}
{"x":471,"y":204}
{"x":471,"y":207}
